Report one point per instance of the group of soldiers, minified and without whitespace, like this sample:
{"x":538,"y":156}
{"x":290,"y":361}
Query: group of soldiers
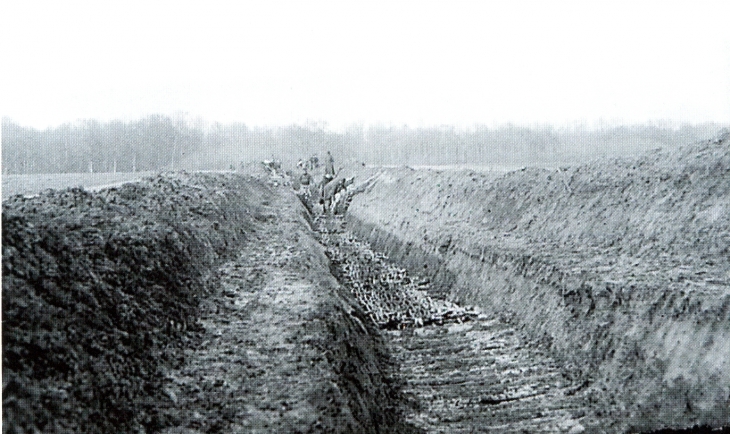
{"x":330,"y":193}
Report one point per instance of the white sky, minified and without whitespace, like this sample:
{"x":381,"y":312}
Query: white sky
{"x":420,"y":63}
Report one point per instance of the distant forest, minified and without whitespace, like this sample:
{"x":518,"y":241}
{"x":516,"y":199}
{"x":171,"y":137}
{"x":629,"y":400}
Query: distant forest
{"x":168,"y":143}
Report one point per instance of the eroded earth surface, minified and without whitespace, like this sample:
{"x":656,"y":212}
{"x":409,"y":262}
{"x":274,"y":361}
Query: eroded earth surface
{"x":464,"y":372}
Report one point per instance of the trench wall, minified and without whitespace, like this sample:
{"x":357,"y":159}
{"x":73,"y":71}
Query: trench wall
{"x":620,"y":268}
{"x":101,"y":294}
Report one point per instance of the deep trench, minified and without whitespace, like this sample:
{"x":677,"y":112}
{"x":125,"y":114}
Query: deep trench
{"x":463,"y":371}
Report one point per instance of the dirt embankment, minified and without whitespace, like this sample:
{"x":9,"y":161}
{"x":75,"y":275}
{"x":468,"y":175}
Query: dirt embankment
{"x":99,"y":290}
{"x":284,"y":348}
{"x":620,"y":267}
{"x":106,"y":295}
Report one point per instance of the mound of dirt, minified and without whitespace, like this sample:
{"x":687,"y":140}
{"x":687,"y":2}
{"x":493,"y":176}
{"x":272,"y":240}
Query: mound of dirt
{"x":100,"y":292}
{"x":284,"y":348}
{"x":619,"y":267}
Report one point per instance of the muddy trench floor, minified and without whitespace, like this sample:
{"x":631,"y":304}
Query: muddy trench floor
{"x":467,"y":372}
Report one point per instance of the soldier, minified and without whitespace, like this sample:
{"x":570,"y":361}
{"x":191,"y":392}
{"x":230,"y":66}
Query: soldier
{"x":329,"y":168}
{"x":301,"y":185}
{"x":305,"y":178}
{"x":339,"y":203}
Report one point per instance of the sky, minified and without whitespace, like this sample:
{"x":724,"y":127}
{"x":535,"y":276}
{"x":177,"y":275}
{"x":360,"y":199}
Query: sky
{"x":419,"y":63}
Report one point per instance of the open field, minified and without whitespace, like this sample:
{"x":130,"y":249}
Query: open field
{"x":33,"y":184}
{"x":592,"y":298}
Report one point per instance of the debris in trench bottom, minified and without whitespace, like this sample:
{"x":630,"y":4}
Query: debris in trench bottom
{"x":389,"y":296}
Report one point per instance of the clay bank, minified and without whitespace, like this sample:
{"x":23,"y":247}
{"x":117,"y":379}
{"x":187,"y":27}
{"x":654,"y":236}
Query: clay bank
{"x":618,"y":268}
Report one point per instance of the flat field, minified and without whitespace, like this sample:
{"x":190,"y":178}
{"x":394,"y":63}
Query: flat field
{"x":33,"y":184}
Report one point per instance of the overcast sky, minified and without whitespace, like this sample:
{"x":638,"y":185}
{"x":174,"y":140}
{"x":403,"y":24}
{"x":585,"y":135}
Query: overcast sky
{"x":420,"y":63}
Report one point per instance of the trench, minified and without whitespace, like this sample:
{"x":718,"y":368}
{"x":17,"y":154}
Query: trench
{"x":625,"y":289}
{"x":458,"y":369}
{"x":463,"y":371}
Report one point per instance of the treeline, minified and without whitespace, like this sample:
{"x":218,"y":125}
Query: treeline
{"x":510,"y":145}
{"x":93,"y":146}
{"x":161,"y":142}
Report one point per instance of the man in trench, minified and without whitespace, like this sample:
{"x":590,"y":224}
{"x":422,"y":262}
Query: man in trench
{"x":329,"y":175}
{"x":305,"y":179}
{"x":339,"y":201}
{"x":329,"y":168}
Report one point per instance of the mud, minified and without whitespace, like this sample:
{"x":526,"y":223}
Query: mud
{"x":463,"y":371}
{"x":589,"y":299}
{"x":618,"y":268}
{"x":284,"y":348}
{"x":183,"y":303}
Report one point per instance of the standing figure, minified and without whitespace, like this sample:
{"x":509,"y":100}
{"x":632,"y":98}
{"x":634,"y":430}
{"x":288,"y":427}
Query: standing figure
{"x":329,"y":168}
{"x":305,"y":178}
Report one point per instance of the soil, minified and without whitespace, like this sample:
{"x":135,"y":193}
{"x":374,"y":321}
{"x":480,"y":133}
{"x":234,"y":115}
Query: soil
{"x":183,"y":303}
{"x":463,"y":371}
{"x":619,"y":268}
{"x":284,"y":349}
{"x":585,"y":299}
{"x":100,"y":291}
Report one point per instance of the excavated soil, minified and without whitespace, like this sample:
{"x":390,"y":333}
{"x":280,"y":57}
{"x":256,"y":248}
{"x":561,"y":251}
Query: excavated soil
{"x":284,"y":348}
{"x":183,"y":304}
{"x":587,"y":299}
{"x":618,"y":269}
{"x":100,"y":292}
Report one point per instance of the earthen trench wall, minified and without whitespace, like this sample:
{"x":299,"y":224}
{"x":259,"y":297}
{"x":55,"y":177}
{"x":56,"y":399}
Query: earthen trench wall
{"x":622,"y":276}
